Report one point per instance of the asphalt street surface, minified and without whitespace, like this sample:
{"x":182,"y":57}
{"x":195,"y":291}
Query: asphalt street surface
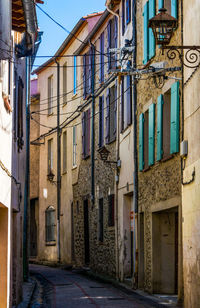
{"x":69,"y":289}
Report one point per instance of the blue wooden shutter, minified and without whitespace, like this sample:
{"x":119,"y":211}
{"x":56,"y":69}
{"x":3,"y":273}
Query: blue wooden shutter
{"x":152,"y":45}
{"x":151,"y":134}
{"x":141,"y":142}
{"x":109,"y":43}
{"x":84,"y":76}
{"x":116,"y":36}
{"x":115,"y":110}
{"x":159,"y":128}
{"x":174,"y":9}
{"x":146,"y":33}
{"x":88,"y":131}
{"x":174,"y":128}
{"x":108,"y":115}
{"x":129,"y":100}
{"x":160,"y":4}
{"x":75,"y":74}
{"x":122,"y":105}
{"x":128,"y":11}
{"x":102,"y":57}
{"x":123,"y":17}
{"x":101,"y":121}
{"x":83,"y":134}
{"x":90,"y":70}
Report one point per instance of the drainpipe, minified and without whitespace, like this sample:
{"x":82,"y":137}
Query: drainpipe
{"x":58,"y":161}
{"x":118,"y":156}
{"x":135,"y":163}
{"x":93,"y":130}
{"x":26,"y":188}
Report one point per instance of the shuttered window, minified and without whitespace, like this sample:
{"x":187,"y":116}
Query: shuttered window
{"x":123,"y":17}
{"x":50,"y":155}
{"x":148,"y":37}
{"x":75,"y":74}
{"x":122,"y":105}
{"x":111,"y":210}
{"x":87,"y":74}
{"x":50,"y":224}
{"x":101,"y":222}
{"x":128,"y":11}
{"x":20,"y":114}
{"x":109,"y":44}
{"x":152,"y":11}
{"x":102,"y":58}
{"x":151,"y":134}
{"x":74,"y":137}
{"x":64,"y":152}
{"x":111,"y":114}
{"x":146,"y":139}
{"x":141,"y":142}
{"x":86,"y":133}
{"x":174,"y":127}
{"x":50,"y":95}
{"x":101,"y":121}
{"x":65,"y":83}
{"x":129,"y":99}
{"x":159,"y":127}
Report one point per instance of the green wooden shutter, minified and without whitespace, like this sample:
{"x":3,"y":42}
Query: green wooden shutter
{"x":159,"y":128}
{"x":146,"y":33}
{"x":141,"y":142}
{"x":160,"y":4}
{"x":174,"y":128}
{"x":151,"y":134}
{"x":152,"y":10}
{"x":174,"y":10}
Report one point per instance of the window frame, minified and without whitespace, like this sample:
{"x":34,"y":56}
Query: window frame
{"x":50,"y":240}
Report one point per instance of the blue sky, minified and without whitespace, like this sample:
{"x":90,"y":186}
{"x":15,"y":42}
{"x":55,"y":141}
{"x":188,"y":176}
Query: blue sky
{"x":66,"y":13}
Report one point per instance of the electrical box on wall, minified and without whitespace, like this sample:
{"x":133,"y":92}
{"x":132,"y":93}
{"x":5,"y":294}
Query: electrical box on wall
{"x":184,"y":149}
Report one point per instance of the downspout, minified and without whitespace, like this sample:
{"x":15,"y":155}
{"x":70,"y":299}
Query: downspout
{"x":27,"y":175}
{"x":118,"y":156}
{"x":93,"y":130}
{"x":135,"y":163}
{"x":58,"y":161}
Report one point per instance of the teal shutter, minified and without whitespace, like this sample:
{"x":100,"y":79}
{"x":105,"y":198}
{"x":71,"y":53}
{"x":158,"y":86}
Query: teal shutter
{"x":152,"y":10}
{"x":159,"y":128}
{"x":160,"y":4}
{"x":151,"y":134}
{"x":141,"y":142}
{"x":174,"y":9}
{"x":174,"y":128}
{"x":146,"y":33}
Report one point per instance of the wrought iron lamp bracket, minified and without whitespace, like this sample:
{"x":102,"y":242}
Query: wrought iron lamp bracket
{"x":189,"y":58}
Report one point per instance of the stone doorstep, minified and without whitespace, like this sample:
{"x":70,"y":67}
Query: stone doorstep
{"x":28,"y":289}
{"x":164,"y":300}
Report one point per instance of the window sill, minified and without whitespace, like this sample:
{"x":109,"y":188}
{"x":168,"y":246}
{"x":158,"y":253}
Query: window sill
{"x":64,"y":105}
{"x":50,"y":114}
{"x":167,"y":158}
{"x":74,"y":167}
{"x":74,"y":95}
{"x":86,"y":157}
{"x":111,"y":141}
{"x":51,"y":243}
{"x":64,"y":172}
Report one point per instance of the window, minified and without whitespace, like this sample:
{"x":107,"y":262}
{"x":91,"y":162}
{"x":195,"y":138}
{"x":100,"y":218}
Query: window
{"x":20,"y":110}
{"x":50,"y":224}
{"x":64,"y":152}
{"x":50,"y":95}
{"x":101,"y":121}
{"x":50,"y":155}
{"x":111,"y":114}
{"x":74,"y":146}
{"x":112,"y":35}
{"x":148,"y":37}
{"x":75,"y":74}
{"x":111,"y":210}
{"x":147,"y":138}
{"x":101,"y":58}
{"x":65,"y":83}
{"x":86,"y":133}
{"x":171,"y":7}
{"x":87,"y":72}
{"x":126,"y":102}
{"x":126,"y":14}
{"x":168,"y":123}
{"x":100,"y":235}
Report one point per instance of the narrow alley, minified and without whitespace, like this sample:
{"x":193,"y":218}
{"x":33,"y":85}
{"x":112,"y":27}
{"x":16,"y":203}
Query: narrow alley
{"x":71,"y":288}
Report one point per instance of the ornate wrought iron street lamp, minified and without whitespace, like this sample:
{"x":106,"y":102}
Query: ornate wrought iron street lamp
{"x":163,"y":26}
{"x":104,"y":153}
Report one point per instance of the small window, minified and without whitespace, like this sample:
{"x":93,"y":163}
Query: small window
{"x":74,"y":146}
{"x":86,"y":134}
{"x":111,"y":210}
{"x":101,"y":121}
{"x":75,"y":74}
{"x":65,"y":83}
{"x":50,"y":155}
{"x":64,"y":152}
{"x":100,"y":235}
{"x":50,"y":224}
{"x":50,"y":95}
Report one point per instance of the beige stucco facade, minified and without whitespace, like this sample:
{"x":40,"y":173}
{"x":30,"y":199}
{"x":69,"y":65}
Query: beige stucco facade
{"x":191,"y":192}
